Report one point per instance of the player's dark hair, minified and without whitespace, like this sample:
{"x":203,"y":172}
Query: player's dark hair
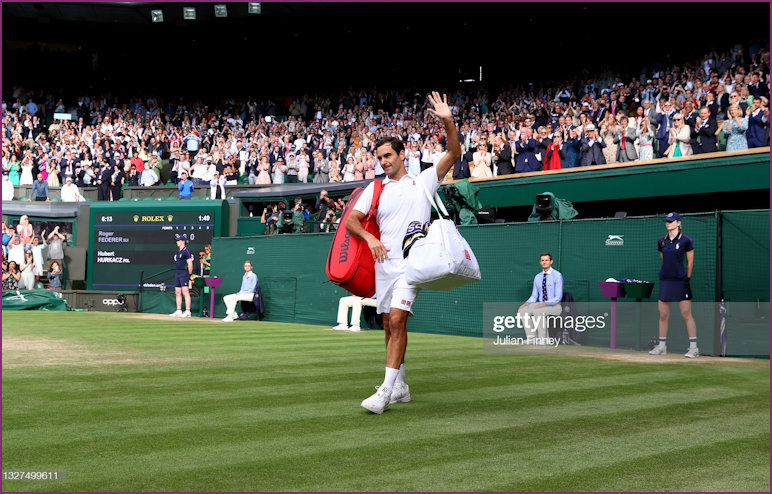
{"x":395,"y":143}
{"x":547,"y":254}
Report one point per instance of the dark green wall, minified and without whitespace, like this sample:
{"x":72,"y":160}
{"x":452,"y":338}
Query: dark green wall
{"x":291,"y":267}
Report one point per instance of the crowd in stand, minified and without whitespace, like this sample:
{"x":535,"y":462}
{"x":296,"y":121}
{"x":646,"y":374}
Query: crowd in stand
{"x":29,"y":255}
{"x":720,"y":102}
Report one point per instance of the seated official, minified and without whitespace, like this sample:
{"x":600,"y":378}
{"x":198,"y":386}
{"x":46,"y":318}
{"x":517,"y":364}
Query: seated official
{"x":355,"y":303}
{"x":544,"y":301}
{"x":245,"y":294}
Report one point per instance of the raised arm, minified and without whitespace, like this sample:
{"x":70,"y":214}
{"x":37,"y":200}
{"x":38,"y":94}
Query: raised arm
{"x":442,"y":111}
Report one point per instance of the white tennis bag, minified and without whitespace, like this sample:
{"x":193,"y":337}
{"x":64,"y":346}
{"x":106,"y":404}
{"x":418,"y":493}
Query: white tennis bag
{"x":442,"y":260}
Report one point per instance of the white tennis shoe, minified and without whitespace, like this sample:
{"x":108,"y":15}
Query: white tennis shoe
{"x":658,"y":350}
{"x":340,"y":327}
{"x":177,"y":313}
{"x":379,"y":402}
{"x":692,"y":353}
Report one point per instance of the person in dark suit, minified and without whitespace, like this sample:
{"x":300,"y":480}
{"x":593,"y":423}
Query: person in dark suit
{"x":704,"y":133}
{"x":103,"y":183}
{"x":592,"y":148}
{"x":502,"y":154}
{"x":758,"y":123}
{"x":525,"y":160}
{"x":756,"y":88}
{"x":116,"y":181}
{"x":461,"y":166}
{"x":664,"y":124}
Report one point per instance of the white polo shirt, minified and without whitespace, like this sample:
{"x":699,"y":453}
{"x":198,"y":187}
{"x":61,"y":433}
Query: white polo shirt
{"x":401,"y":203}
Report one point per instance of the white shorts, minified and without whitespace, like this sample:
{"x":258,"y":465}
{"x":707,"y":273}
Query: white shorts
{"x":391,"y":289}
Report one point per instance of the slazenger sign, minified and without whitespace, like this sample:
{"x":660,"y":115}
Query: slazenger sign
{"x":111,"y":301}
{"x":615,"y":240}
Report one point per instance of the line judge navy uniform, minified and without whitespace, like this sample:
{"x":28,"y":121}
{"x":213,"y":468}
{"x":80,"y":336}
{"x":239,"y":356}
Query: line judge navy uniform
{"x":673,"y":283}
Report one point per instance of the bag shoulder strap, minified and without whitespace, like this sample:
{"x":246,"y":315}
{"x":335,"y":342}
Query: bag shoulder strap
{"x":377,"y":189}
{"x":436,"y":204}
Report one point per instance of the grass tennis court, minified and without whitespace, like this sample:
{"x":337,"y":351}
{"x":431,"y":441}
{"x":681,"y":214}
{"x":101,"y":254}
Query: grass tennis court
{"x":136,"y":402}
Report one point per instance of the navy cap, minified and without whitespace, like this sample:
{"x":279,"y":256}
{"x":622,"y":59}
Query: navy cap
{"x":181,"y":236}
{"x":673,"y":217}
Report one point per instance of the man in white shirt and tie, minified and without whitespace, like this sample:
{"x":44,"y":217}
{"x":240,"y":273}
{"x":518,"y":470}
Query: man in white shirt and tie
{"x":544,"y":301}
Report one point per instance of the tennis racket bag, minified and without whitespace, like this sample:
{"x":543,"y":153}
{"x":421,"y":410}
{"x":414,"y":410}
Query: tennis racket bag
{"x":350,"y":263}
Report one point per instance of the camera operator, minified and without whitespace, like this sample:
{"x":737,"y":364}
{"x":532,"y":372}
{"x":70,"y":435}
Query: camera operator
{"x":330,"y":219}
{"x":270,"y":217}
{"x":322,"y":207}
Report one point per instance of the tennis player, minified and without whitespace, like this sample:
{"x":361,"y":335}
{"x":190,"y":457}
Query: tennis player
{"x":402,"y":201}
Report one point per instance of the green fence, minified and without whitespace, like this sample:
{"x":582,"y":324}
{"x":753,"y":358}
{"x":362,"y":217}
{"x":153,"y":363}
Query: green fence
{"x":295,"y":288}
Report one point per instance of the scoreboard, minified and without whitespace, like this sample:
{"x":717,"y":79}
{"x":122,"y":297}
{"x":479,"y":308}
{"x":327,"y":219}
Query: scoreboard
{"x":127,"y":241}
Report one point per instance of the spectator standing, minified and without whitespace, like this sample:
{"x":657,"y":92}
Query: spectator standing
{"x":11,"y":275}
{"x":554,"y":156}
{"x":264,"y":172}
{"x":37,"y":254}
{"x":185,"y":186}
{"x":14,"y":170}
{"x":27,"y":178}
{"x":70,"y":191}
{"x":608,"y":131}
{"x":55,"y":278}
{"x":279,"y":169}
{"x":55,"y":249}
{"x":592,"y":148}
{"x":103,"y":182}
{"x":625,"y":139}
{"x":27,"y":279}
{"x":39,"y":190}
{"x":735,"y":127}
{"x":481,"y":161}
{"x":525,"y":160}
{"x":680,"y":138}
{"x":217,"y":186}
{"x":116,"y":182}
{"x":757,"y":134}
{"x":646,"y":140}
{"x":572,"y":147}
{"x":502,"y":152}
{"x":704,"y":133}
{"x":25,"y":230}
{"x":8,"y":189}
{"x":664,"y":123}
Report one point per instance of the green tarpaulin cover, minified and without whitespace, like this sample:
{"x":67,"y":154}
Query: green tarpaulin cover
{"x":34,"y":300}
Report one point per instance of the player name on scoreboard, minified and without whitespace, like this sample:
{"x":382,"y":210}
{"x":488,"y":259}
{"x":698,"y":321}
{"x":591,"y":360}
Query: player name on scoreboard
{"x":109,"y":257}
{"x":109,"y":237}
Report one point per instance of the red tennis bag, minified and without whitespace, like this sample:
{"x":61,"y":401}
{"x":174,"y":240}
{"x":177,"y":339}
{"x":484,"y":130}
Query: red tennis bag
{"x":350,"y":263}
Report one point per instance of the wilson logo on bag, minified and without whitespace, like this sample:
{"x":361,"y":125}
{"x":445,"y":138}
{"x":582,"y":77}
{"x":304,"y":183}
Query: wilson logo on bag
{"x":350,"y":263}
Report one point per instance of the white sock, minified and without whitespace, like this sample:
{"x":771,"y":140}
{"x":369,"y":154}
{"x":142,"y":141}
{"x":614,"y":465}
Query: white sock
{"x":692,"y":343}
{"x":401,"y":375}
{"x":391,"y":376}
{"x":662,"y":342}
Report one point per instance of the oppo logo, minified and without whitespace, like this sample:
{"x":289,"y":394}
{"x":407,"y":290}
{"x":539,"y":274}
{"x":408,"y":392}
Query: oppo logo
{"x":112,"y":301}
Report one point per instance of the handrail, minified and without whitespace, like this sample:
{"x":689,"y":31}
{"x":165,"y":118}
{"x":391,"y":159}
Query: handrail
{"x":718,"y":154}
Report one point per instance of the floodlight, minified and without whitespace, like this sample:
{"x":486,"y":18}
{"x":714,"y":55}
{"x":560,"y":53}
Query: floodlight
{"x":189,"y":13}
{"x":220,"y":10}
{"x":157,"y":15}
{"x":253,"y":7}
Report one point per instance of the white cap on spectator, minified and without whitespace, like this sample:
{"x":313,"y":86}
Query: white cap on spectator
{"x":590,"y":127}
